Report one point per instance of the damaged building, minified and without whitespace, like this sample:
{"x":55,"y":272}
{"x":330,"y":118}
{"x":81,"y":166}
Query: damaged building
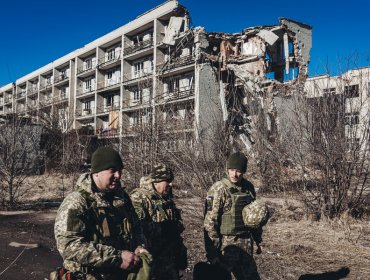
{"x":157,"y":70}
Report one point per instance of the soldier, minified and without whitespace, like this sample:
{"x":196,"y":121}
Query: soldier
{"x":161,"y":222}
{"x":228,"y":241}
{"x":96,"y":227}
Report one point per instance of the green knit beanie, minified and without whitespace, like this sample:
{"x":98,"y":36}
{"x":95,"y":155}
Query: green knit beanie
{"x":104,"y":158}
{"x":237,"y":161}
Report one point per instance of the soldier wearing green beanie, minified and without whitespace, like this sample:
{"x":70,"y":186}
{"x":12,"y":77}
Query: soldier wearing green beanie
{"x":97,"y":231}
{"x":228,"y":241}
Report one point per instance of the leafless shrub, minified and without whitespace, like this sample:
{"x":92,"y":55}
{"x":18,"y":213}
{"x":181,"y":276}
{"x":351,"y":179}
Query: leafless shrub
{"x":19,"y":157}
{"x":322,"y":142}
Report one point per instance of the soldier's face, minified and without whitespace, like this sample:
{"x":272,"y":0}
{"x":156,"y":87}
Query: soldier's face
{"x":163,"y":187}
{"x":235,"y":175}
{"x":107,"y":180}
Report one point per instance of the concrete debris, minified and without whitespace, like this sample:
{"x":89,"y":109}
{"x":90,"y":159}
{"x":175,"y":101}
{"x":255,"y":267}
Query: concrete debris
{"x":253,"y":67}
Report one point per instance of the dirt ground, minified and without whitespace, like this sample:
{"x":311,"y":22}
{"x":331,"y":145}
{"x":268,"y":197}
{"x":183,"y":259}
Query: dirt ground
{"x":295,"y":247}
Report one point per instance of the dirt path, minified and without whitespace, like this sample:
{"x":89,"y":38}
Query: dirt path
{"x":32,"y":228}
{"x":295,"y":248}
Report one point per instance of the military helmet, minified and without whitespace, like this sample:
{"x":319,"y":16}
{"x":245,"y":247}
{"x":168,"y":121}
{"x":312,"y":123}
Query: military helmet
{"x":255,"y":214}
{"x":161,"y":172}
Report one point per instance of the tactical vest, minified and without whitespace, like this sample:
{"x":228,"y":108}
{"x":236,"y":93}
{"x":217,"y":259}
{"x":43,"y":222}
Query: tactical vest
{"x":162,"y":210}
{"x":232,"y":221}
{"x":107,"y":225}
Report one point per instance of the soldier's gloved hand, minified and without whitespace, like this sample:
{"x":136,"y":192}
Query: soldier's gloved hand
{"x":129,"y":260}
{"x":140,"y":249}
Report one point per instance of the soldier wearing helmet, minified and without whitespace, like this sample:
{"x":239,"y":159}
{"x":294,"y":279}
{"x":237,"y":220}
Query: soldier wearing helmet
{"x":229,"y":242}
{"x":161,"y":222}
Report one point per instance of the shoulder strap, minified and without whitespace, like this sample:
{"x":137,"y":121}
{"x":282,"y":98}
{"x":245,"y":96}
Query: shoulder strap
{"x":101,"y":213}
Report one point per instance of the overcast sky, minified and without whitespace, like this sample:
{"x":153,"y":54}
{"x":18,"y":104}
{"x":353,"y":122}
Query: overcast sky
{"x":35,"y":33}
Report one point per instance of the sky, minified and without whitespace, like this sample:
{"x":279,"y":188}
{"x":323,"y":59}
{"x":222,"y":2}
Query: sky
{"x":35,"y":33}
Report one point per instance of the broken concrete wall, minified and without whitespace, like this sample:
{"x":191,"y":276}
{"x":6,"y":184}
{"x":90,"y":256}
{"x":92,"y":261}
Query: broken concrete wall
{"x":208,"y":112}
{"x":239,"y":75}
{"x":249,"y":57}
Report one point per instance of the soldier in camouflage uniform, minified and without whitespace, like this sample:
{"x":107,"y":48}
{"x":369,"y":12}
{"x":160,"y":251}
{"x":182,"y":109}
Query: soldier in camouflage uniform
{"x":228,"y":241}
{"x":96,"y":228}
{"x":161,"y":222}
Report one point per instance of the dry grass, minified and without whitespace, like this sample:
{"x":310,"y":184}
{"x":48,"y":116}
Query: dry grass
{"x":295,"y":245}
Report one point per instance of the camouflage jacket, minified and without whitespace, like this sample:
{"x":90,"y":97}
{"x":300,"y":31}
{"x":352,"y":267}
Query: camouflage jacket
{"x":91,"y":228}
{"x":218,"y":202}
{"x":160,"y":219}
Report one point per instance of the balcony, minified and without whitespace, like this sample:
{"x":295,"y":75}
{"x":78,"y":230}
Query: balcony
{"x":21,"y":94}
{"x":107,"y":132}
{"x":175,"y":95}
{"x":135,"y":128}
{"x":45,"y":102}
{"x":109,"y":83}
{"x":109,"y":60}
{"x":85,"y":112}
{"x":138,"y":75}
{"x":138,"y":47}
{"x":61,"y":98}
{"x":107,"y":109}
{"x":32,"y":92}
{"x":60,"y":78}
{"x":85,"y":90}
{"x":86,"y":70}
{"x":45,"y":87}
{"x":176,"y":62}
{"x":134,"y":104}
{"x":178,"y":124}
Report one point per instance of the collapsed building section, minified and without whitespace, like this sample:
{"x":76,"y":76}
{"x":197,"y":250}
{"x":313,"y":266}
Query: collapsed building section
{"x":238,"y":74}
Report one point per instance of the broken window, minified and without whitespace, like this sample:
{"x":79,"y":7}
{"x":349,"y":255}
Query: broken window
{"x":329,"y":91}
{"x":292,"y":75}
{"x":351,"y":91}
{"x":352,"y":118}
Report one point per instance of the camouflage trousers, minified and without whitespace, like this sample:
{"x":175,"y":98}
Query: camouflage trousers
{"x":237,"y":257}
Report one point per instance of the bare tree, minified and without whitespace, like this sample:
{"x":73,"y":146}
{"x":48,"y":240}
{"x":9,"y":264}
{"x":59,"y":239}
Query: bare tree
{"x":322,"y":142}
{"x":20,"y":156}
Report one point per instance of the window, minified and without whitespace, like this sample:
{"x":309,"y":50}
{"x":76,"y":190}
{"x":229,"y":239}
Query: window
{"x":137,"y":118}
{"x":89,"y":85}
{"x":109,"y":100}
{"x":368,"y":89}
{"x":137,"y":94}
{"x":48,"y":80}
{"x":353,"y":144}
{"x":329,"y":91}
{"x":34,"y":86}
{"x":174,"y":85}
{"x":351,"y":91}
{"x":111,"y":54}
{"x":89,"y":63}
{"x":64,"y":91}
{"x":87,"y":105}
{"x":142,"y":67}
{"x":138,"y":68}
{"x":64,"y":74}
{"x":351,"y":118}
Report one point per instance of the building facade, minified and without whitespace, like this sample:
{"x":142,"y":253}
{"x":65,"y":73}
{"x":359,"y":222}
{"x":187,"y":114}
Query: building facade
{"x":352,"y":92}
{"x":158,"y":71}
